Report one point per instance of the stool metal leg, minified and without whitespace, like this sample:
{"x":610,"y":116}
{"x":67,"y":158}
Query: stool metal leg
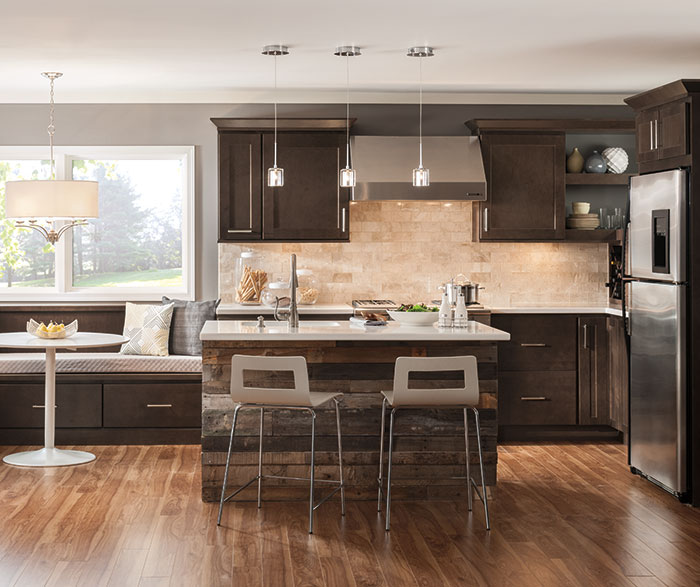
{"x":228,"y":462}
{"x":260,"y":455}
{"x":481,"y":467}
{"x":311,"y":485}
{"x":469,"y":474}
{"x":380,"y":479}
{"x":388,"y":478}
{"x":340,"y":458}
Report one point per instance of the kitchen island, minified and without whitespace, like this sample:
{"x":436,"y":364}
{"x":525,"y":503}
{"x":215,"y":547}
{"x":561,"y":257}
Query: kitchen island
{"x":359,"y":362}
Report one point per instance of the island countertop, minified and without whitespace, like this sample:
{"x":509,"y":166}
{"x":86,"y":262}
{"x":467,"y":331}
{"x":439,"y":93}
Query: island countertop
{"x":247,"y":330}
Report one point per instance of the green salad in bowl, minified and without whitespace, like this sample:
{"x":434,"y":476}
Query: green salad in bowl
{"x":415,"y":314}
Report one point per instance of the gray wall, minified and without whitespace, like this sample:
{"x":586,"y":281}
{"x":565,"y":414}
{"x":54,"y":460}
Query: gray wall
{"x":188,"y":124}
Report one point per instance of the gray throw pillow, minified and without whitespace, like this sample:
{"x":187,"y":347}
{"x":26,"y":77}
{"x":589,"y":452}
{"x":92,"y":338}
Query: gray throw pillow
{"x":187,"y":323}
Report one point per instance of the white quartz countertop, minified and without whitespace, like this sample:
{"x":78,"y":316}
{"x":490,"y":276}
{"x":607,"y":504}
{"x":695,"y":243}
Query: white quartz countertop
{"x":345,"y":330}
{"x":558,"y":310}
{"x":317,"y":309}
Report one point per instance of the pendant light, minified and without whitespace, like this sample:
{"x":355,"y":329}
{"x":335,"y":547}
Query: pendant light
{"x":275,"y":175}
{"x":347,"y":175}
{"x":421,"y":175}
{"x":51,"y":199}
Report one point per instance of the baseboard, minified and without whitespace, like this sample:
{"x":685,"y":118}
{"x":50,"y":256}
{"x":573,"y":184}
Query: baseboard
{"x":108,"y":436}
{"x":559,"y":433}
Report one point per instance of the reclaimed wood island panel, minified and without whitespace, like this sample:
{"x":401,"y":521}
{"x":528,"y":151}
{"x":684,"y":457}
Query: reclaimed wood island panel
{"x":429,"y":444}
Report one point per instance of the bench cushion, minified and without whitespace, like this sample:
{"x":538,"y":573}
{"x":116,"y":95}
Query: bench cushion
{"x":17,"y":363}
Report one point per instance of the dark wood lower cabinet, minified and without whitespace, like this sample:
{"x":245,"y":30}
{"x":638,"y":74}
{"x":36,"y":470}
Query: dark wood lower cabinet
{"x":618,"y":372}
{"x":562,"y":376}
{"x":537,"y":398}
{"x":77,"y":406}
{"x":103,"y":408}
{"x":593,"y":381}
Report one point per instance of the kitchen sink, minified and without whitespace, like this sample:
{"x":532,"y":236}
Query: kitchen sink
{"x":302,"y":323}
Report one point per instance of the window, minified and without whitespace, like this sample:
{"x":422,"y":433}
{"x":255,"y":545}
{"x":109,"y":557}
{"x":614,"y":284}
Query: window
{"x":140,"y":247}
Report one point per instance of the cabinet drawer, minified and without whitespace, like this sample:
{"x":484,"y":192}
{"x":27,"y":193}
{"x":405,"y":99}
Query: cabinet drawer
{"x":148,"y":405}
{"x":537,"y":398}
{"x":538,"y":342}
{"x":77,"y":405}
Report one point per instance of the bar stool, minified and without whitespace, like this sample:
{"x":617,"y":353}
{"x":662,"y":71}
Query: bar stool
{"x":402,"y":396}
{"x":297,"y":398}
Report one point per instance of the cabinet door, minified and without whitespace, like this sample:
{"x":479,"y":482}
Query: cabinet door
{"x":311,"y":205}
{"x":672,"y":131}
{"x":618,"y":375}
{"x":240,"y":186}
{"x":593,"y":393}
{"x":525,"y":179}
{"x":645,"y":124}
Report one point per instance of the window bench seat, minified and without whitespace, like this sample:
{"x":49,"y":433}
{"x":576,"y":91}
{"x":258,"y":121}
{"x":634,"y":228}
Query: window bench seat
{"x":103,"y":398}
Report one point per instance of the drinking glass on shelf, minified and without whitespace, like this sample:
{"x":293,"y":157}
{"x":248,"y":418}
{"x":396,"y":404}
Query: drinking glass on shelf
{"x":610,"y":221}
{"x":618,"y":218}
{"x":603,"y":216}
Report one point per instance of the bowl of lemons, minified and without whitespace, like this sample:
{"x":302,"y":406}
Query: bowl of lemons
{"x":52,"y":330}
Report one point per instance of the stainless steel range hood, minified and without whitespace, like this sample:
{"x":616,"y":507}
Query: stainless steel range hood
{"x":385,"y":165}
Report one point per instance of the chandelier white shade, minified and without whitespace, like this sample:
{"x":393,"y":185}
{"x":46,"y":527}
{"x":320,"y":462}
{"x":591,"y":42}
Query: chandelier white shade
{"x":54,"y":199}
{"x":51,"y":199}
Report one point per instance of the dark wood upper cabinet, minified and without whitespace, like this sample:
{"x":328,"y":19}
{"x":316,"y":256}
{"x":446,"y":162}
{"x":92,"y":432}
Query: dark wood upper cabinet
{"x":240,"y":182}
{"x":645,"y":127}
{"x":526,"y":183}
{"x":673,"y":130}
{"x":311,"y":206}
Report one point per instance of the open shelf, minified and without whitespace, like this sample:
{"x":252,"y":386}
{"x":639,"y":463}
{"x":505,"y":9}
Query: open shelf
{"x":594,"y":236}
{"x":598,"y":178}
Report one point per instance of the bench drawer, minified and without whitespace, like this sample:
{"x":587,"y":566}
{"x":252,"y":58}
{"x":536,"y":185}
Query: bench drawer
{"x":539,"y":342}
{"x":77,"y":405}
{"x":153,"y":405}
{"x":537,"y":398}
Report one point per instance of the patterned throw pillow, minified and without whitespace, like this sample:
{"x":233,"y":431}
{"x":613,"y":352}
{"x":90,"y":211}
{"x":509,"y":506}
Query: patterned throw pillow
{"x":148,"y":329}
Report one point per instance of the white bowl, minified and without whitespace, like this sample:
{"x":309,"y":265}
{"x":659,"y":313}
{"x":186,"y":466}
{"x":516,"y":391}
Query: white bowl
{"x":414,"y":318}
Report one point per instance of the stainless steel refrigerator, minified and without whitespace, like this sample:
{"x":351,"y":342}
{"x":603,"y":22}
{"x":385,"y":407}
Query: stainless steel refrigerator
{"x":657,"y":310}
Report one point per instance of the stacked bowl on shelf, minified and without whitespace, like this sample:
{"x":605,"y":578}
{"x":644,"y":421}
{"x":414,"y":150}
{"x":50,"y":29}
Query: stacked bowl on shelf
{"x":581,"y":219}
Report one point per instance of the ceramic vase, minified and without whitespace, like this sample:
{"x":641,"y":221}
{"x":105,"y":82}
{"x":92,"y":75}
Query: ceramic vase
{"x":595,"y":163}
{"x":616,"y":159}
{"x":574,"y":164}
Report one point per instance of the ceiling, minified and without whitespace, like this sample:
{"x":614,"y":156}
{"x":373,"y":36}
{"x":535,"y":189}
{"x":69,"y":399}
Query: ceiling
{"x":557,"y":51}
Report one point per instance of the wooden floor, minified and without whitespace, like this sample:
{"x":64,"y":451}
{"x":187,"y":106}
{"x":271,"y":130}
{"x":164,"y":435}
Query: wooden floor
{"x":561,"y":515}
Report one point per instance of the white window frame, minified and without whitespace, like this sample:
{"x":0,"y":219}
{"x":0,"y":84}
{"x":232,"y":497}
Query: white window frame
{"x":64,"y":291}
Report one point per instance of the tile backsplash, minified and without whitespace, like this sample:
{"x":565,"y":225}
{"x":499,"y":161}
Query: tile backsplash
{"x":404,"y":250}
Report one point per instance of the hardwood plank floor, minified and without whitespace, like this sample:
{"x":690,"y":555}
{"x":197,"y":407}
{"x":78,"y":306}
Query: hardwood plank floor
{"x":562,"y":514}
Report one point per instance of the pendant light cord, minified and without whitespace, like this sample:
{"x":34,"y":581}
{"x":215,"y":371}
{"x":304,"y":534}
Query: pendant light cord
{"x":275,"y":99}
{"x":51,"y":129}
{"x":420,"y":112}
{"x":347,"y":111}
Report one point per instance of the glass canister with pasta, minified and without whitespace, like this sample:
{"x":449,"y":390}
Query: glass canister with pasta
{"x":250,"y":277}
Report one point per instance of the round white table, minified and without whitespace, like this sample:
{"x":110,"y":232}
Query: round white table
{"x":50,"y":456}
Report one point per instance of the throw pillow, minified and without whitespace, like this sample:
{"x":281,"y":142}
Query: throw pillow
{"x":148,"y":329}
{"x":188,"y":320}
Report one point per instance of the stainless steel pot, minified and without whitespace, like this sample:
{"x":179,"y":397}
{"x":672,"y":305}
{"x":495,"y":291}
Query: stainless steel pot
{"x":470,"y":291}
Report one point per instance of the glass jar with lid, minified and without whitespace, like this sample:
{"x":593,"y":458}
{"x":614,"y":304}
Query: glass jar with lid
{"x":276,"y":289}
{"x":250,"y":277}
{"x":308,"y":288}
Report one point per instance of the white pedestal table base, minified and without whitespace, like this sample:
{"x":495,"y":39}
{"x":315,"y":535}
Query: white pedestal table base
{"x":49,"y":457}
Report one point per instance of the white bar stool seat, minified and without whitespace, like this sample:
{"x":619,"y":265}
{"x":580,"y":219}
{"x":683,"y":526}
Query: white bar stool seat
{"x":298,"y":397}
{"x":403,"y":396}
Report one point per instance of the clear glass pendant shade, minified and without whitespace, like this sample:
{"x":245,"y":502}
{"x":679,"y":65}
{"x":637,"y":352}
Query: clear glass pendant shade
{"x":421,"y":177}
{"x":275,"y":177}
{"x":347,"y":178}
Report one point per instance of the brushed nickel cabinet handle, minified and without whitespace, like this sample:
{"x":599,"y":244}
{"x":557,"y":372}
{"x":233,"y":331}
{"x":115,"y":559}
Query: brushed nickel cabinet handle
{"x":651,"y":135}
{"x":585,"y":336}
{"x":41,"y":406}
{"x":533,"y":344}
{"x":533,"y":398}
{"x":159,"y":405}
{"x":343,"y":220}
{"x":486,"y":219}
{"x":656,"y":134}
